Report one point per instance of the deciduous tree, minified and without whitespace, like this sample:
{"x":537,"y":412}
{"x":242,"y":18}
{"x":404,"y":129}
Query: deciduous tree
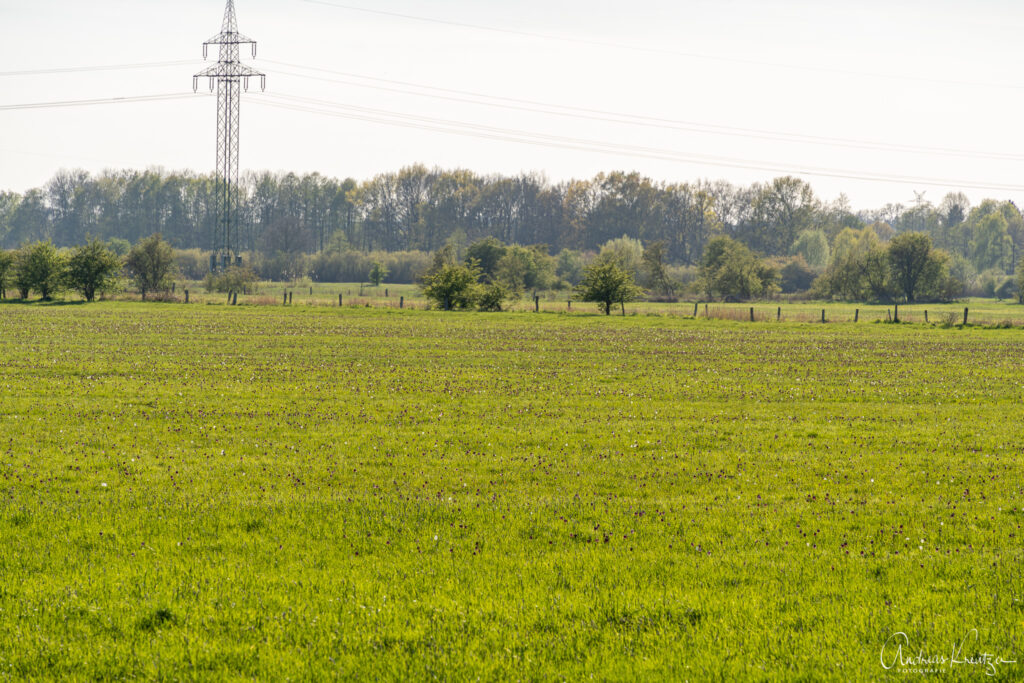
{"x":151,"y":263}
{"x":607,"y":284}
{"x":93,"y":268}
{"x":41,"y":268}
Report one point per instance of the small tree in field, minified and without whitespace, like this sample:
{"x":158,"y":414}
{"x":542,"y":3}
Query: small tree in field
{"x":607,"y":284}
{"x":378,"y":273}
{"x":452,"y":285}
{"x":93,"y":268}
{"x":913,"y":263}
{"x":39,"y":267}
{"x":151,"y":263}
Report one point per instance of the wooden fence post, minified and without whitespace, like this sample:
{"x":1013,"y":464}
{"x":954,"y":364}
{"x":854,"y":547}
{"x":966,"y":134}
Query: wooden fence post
{"x":570,"y":304}
{"x":341,"y":301}
{"x":536,"y":304}
{"x":290,"y":297}
{"x":751,"y":314}
{"x":705,"y":310}
{"x":896,"y":313}
{"x":965,"y":315}
{"x":926,"y":316}
{"x":186,"y":296}
{"x":386,"y":295}
{"x":856,"y":315}
{"x":311,"y":291}
{"x":401,"y":302}
{"x":234,"y":299}
{"x":778,"y":314}
{"x":623,"y":302}
{"x":695,"y":310}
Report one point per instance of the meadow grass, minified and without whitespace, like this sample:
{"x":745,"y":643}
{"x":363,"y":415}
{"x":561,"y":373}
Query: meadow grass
{"x":203,"y":492}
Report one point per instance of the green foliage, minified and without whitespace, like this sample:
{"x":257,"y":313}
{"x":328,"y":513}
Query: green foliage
{"x":796,"y":276}
{"x":151,"y":264}
{"x":378,"y":273}
{"x":812,"y":245}
{"x":525,"y":268}
{"x":403,"y":267}
{"x":991,"y":246}
{"x":488,"y":253}
{"x":450,"y":286}
{"x":729,"y":270}
{"x":191,"y":264}
{"x":655,"y":270}
{"x":285,"y":266}
{"x":6,"y":270}
{"x":1007,"y":289}
{"x":915,"y":267}
{"x":1019,"y":279}
{"x":93,"y":268}
{"x":607,"y":283}
{"x":41,"y":268}
{"x":626,"y":252}
{"x":569,"y":266}
{"x":492,"y":297}
{"x":120,"y":247}
{"x":234,"y":279}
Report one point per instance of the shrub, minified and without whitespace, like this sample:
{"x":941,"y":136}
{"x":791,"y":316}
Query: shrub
{"x":233,"y":279}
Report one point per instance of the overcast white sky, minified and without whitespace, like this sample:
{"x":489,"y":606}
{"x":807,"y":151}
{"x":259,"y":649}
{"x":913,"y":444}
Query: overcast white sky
{"x":937,"y":77}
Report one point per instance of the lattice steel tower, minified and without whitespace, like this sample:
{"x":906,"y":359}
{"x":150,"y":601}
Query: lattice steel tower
{"x":231,"y":78}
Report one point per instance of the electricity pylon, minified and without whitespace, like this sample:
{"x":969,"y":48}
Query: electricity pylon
{"x":231,"y":78}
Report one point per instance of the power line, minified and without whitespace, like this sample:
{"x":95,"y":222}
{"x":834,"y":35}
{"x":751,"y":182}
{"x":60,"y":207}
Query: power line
{"x":664,"y":51}
{"x":466,"y":129}
{"x":465,"y":96}
{"x":98,"y":101}
{"x":105,"y":67}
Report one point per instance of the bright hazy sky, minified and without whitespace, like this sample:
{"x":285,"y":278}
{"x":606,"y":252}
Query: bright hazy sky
{"x":733,"y":89}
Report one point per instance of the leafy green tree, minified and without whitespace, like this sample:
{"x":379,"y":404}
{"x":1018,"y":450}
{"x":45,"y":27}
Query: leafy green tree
{"x":607,"y":284}
{"x":151,"y":263}
{"x":378,"y":273}
{"x":655,"y":269}
{"x":914,"y":265}
{"x":812,"y":245}
{"x":522,"y":268}
{"x":569,"y":266}
{"x":1007,"y":289}
{"x":731,"y":271}
{"x":6,"y":270}
{"x":487,"y":252}
{"x":992,"y":245}
{"x":119,"y":246}
{"x":40,"y":267}
{"x":626,"y":252}
{"x":93,"y":268}
{"x":492,"y":297}
{"x":453,"y":286}
{"x":796,"y":276}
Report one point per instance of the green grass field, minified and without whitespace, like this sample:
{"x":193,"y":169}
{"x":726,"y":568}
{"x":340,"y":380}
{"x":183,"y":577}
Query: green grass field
{"x":205,"y":492}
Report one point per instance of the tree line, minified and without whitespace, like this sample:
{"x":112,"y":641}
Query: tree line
{"x":325,"y":228}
